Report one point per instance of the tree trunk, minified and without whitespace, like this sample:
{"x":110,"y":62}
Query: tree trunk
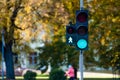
{"x":8,"y":56}
{"x":0,"y":46}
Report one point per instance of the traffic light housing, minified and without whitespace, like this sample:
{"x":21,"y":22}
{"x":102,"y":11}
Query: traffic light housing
{"x":70,"y":34}
{"x":82,"y":29}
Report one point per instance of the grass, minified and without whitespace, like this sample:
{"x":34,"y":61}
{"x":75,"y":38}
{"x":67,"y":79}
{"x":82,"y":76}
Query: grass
{"x":44,"y":77}
{"x":84,"y":79}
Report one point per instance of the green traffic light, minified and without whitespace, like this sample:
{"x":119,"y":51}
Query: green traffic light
{"x":82,"y":44}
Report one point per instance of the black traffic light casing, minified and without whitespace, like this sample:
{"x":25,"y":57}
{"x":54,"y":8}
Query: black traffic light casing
{"x":82,"y":29}
{"x":70,"y":34}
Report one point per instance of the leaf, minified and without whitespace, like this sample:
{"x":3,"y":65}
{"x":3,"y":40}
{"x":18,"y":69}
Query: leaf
{"x":28,"y":9}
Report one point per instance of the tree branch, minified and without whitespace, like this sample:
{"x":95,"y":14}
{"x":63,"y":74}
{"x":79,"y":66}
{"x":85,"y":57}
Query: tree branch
{"x":20,"y":27}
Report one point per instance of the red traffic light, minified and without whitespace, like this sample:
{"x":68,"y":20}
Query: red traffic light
{"x":82,"y":30}
{"x":70,"y":30}
{"x":82,"y":17}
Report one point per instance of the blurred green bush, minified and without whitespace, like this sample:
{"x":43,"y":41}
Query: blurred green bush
{"x":29,"y":75}
{"x":57,"y":74}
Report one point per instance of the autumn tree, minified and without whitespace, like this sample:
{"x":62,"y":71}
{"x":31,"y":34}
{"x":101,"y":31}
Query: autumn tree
{"x":103,"y":30}
{"x":21,"y":27}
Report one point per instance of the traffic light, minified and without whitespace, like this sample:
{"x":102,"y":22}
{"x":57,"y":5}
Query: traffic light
{"x":82,"y":29}
{"x":70,"y":34}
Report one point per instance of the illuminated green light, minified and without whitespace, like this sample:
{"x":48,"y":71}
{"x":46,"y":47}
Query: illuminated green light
{"x":82,"y":43}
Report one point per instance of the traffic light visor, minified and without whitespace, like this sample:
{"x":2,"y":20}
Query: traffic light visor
{"x":82,"y":17}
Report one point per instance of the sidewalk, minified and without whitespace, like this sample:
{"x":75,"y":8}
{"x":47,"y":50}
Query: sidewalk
{"x":96,"y":75}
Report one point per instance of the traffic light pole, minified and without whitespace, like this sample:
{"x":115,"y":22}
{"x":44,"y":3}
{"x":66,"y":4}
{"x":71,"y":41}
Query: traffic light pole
{"x":81,"y":64}
{"x":81,"y":52}
{"x":81,"y":4}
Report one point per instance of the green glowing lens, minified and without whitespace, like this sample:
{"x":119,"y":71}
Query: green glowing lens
{"x":82,"y":43}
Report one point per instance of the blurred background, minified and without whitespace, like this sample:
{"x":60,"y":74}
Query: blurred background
{"x":34,"y":35}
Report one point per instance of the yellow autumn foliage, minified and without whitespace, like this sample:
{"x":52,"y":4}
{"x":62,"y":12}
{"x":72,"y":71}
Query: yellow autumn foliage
{"x":28,"y":9}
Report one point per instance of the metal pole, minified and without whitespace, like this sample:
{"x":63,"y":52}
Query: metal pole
{"x":81,"y":52}
{"x":2,"y":54}
{"x":81,"y":65}
{"x":81,"y":4}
